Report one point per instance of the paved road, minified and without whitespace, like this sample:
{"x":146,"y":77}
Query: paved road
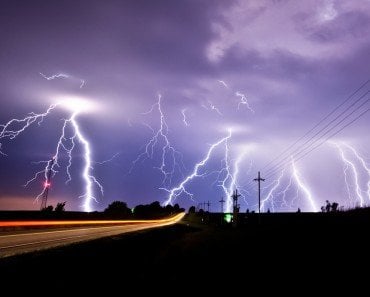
{"x":31,"y":240}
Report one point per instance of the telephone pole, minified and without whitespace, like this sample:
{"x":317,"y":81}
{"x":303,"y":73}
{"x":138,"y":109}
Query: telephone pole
{"x":235,"y":197}
{"x":222,"y":201}
{"x":208,"y":204}
{"x":259,"y":179}
{"x":47,"y":185}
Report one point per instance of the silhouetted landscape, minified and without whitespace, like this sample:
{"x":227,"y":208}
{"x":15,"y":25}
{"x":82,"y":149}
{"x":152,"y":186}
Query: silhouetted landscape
{"x":203,"y":247}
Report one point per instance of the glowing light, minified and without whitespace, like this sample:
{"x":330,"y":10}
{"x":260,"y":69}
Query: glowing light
{"x":175,"y":192}
{"x":76,"y":104}
{"x":228,"y":217}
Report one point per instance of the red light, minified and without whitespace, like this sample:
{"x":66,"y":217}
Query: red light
{"x":46,"y":185}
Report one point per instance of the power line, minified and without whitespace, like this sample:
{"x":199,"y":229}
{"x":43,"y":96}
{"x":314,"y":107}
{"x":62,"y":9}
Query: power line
{"x":301,"y":148}
{"x":316,"y":125}
{"x":326,"y":139}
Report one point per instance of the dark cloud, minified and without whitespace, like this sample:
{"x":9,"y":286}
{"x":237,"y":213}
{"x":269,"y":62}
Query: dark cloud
{"x":292,"y":62}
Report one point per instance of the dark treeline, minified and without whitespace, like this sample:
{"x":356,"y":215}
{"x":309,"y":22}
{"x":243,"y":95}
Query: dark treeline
{"x":117,"y":210}
{"x":120,"y":210}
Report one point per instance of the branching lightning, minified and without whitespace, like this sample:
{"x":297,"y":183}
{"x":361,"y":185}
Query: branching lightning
{"x":65,"y":143}
{"x":63,"y":76}
{"x":231,"y":175}
{"x":54,"y":76}
{"x":223,"y":83}
{"x":211,"y":106}
{"x":270,"y":197}
{"x":168,"y":151}
{"x":243,"y":101}
{"x":298,"y":178}
{"x":351,"y":160}
{"x":177,"y":191}
{"x":278,"y":198}
{"x":184,"y":120}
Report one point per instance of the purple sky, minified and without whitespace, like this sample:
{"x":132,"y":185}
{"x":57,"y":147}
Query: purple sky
{"x":293,"y":62}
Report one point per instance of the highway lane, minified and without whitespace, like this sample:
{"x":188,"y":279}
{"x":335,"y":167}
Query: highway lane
{"x":31,"y":240}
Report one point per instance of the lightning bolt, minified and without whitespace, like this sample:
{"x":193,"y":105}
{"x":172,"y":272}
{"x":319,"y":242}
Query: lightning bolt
{"x":231,"y":175}
{"x":243,"y":101}
{"x":168,"y":151}
{"x":177,"y":191}
{"x":212,"y":107}
{"x":63,"y":76}
{"x":363,"y":163}
{"x":350,"y":164}
{"x":108,"y":160}
{"x":20,"y":125}
{"x":54,"y":76}
{"x":298,"y":178}
{"x":278,"y":198}
{"x":270,"y":197}
{"x":65,"y":143}
{"x":82,"y":83}
{"x":184,"y":117}
{"x":223,"y":83}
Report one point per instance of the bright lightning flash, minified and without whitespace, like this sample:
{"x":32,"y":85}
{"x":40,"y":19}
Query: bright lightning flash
{"x":168,"y":151}
{"x":298,"y":179}
{"x":177,"y":191}
{"x":277,"y":198}
{"x":351,"y":158}
{"x":65,"y":143}
{"x":231,"y":175}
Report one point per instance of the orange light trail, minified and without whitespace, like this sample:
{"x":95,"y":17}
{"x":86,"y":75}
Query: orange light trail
{"x":173,"y":219}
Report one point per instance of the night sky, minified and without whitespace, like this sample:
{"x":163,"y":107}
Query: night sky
{"x":264,"y":71}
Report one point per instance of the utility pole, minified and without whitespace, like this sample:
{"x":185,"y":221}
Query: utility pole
{"x":222,"y":201}
{"x":208,"y":204}
{"x":235,"y":197}
{"x":259,"y":179}
{"x":47,"y":184}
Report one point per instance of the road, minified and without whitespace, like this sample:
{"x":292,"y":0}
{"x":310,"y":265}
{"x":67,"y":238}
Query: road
{"x":31,"y":240}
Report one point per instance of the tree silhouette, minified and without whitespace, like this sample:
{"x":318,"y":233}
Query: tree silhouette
{"x":334,"y":206}
{"x":118,"y":209}
{"x":48,"y":208}
{"x":191,"y":209}
{"x":60,"y":207}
